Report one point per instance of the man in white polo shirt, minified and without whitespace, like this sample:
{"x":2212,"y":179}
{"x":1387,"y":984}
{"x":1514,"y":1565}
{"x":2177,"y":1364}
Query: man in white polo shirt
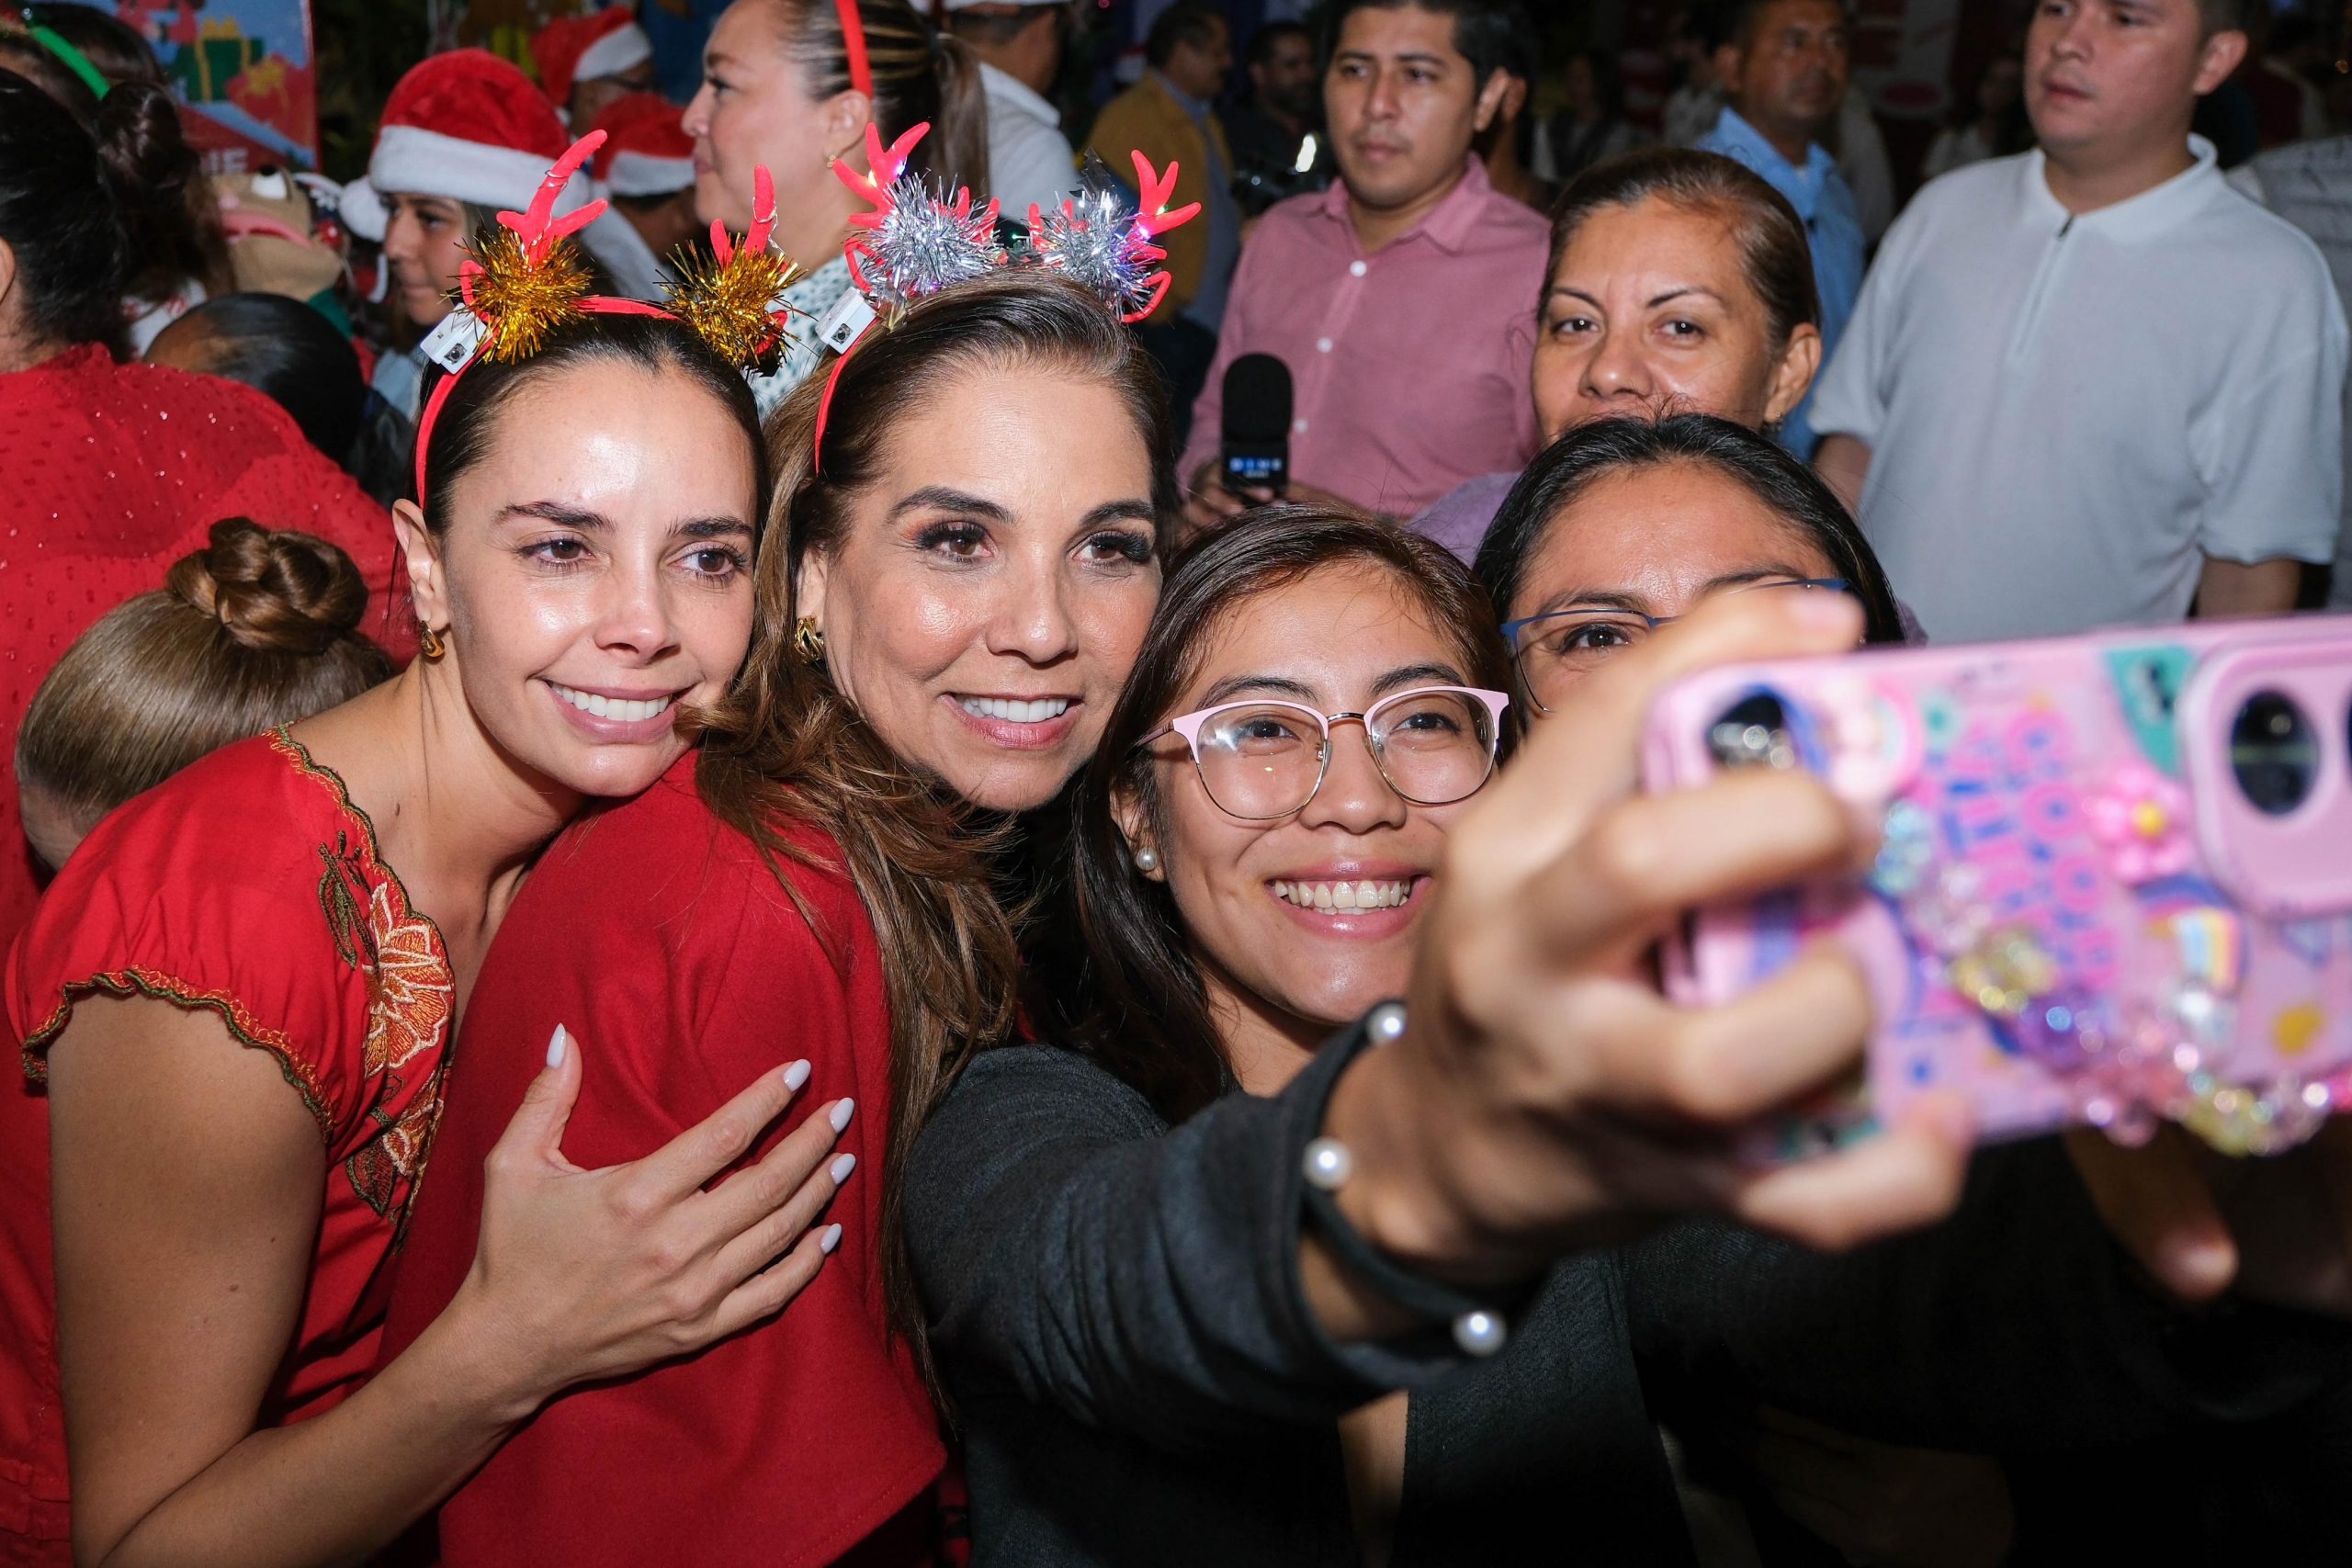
{"x":2093,"y":385}
{"x":1020,"y":46}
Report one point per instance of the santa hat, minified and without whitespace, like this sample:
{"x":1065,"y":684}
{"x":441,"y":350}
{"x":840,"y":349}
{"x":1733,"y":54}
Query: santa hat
{"x":581,"y":49}
{"x":647,"y":150}
{"x":468,"y":127}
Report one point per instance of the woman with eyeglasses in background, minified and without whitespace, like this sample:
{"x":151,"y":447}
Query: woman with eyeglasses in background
{"x":1618,"y":529}
{"x":1624,"y":525}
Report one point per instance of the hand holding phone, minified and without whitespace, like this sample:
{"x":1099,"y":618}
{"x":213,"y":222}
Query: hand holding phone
{"x":2115,"y":884}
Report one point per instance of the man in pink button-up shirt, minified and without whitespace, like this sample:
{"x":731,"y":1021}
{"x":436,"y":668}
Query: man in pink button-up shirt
{"x":1403,"y":298}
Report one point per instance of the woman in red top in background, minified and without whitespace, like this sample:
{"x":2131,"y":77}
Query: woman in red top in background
{"x":994,"y":487}
{"x":110,"y":473}
{"x":242,"y":988}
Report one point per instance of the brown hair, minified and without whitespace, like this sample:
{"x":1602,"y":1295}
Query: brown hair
{"x":1150,"y":1023}
{"x":467,"y":430}
{"x":920,"y":75}
{"x":1774,"y":255}
{"x":255,"y":630}
{"x":786,"y":747}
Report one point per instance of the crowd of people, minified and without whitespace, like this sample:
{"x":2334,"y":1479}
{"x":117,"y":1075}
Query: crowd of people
{"x":666,"y":906}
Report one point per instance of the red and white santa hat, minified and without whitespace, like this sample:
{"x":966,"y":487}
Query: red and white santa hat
{"x":572,"y":50}
{"x":465,"y":126}
{"x":647,"y":150}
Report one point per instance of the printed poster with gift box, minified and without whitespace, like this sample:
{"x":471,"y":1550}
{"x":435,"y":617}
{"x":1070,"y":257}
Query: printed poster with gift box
{"x":244,"y":74}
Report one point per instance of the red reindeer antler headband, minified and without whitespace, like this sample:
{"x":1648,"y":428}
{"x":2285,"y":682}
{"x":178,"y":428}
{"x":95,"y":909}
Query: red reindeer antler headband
{"x":528,"y":279}
{"x":915,"y":243}
{"x":730,"y":300}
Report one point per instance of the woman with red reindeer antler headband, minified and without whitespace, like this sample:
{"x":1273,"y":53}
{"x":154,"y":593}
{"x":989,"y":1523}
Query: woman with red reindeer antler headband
{"x":242,"y":990}
{"x":969,"y":570}
{"x":793,"y":85}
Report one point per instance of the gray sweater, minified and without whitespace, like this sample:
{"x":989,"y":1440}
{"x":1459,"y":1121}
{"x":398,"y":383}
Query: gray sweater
{"x":1117,"y":1311}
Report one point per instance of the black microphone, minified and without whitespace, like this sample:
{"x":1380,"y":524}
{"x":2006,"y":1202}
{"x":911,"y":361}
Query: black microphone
{"x":1256,"y":425}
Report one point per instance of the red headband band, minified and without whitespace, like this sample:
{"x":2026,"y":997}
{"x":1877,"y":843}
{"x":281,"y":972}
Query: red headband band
{"x":517,"y":288}
{"x":861,"y":69}
{"x":521,"y":285}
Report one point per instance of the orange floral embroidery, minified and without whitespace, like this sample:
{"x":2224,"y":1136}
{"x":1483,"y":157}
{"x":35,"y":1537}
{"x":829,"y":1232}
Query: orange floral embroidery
{"x":392,"y":1160}
{"x":412,"y":996}
{"x":409,"y":989}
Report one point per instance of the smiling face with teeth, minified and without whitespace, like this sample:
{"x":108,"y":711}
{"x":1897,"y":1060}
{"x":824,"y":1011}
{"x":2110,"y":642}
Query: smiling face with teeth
{"x":595,"y":573}
{"x":1299,"y":924}
{"x":984,"y":602}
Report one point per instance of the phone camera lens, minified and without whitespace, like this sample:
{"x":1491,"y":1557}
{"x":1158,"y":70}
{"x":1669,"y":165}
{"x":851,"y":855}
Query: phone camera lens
{"x":2274,"y":752}
{"x":1753,"y":733}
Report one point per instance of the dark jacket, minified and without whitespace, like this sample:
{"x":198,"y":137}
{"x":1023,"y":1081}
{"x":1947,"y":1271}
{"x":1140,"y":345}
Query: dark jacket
{"x":1116,"y":1311}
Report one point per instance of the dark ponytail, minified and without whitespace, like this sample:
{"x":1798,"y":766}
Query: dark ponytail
{"x":174,"y":226}
{"x":58,"y":214}
{"x":963,"y":125}
{"x":919,"y":77}
{"x":171,"y":224}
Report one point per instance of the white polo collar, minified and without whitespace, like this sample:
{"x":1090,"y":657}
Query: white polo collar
{"x":2137,"y":218}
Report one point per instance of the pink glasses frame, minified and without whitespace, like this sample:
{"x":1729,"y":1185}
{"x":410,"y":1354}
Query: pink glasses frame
{"x":1188,"y":726}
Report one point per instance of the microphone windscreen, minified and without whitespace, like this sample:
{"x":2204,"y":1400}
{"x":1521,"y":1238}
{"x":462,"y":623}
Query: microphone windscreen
{"x":1256,"y":407}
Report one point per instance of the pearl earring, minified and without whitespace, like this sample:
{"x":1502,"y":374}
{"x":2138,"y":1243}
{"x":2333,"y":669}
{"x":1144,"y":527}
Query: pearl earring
{"x":1146,"y":859}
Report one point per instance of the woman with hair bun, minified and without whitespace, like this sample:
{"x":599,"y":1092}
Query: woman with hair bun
{"x":255,"y":630}
{"x":127,"y":466}
{"x":179,"y":254}
{"x":783,"y":89}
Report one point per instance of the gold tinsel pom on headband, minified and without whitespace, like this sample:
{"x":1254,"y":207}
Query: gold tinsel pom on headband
{"x":728,"y":303}
{"x":730,"y":299}
{"x":525,"y":278}
{"x":525,"y":299}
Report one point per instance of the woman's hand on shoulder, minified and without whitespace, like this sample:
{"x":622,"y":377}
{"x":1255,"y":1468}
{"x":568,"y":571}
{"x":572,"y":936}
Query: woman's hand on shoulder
{"x":587,"y":1274}
{"x":1544,"y":1096}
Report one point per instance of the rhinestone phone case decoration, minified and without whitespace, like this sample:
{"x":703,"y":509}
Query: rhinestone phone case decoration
{"x":2115,"y":884}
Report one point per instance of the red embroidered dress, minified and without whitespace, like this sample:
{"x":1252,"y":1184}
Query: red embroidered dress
{"x":664,"y":942}
{"x":249,"y":886}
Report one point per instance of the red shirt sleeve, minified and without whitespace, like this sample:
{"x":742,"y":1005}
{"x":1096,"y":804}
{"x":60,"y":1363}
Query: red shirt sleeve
{"x":164,"y":899}
{"x":658,"y":938}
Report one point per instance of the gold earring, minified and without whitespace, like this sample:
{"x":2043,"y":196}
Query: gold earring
{"x":808,"y":641}
{"x":430,"y":643}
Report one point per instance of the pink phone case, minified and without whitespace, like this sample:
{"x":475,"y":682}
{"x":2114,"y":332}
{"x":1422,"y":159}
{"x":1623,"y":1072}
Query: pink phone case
{"x":2080,"y":913}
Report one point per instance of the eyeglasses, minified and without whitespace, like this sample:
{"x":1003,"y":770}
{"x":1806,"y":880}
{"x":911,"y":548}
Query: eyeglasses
{"x":1262,"y":760}
{"x":1550,"y":649}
